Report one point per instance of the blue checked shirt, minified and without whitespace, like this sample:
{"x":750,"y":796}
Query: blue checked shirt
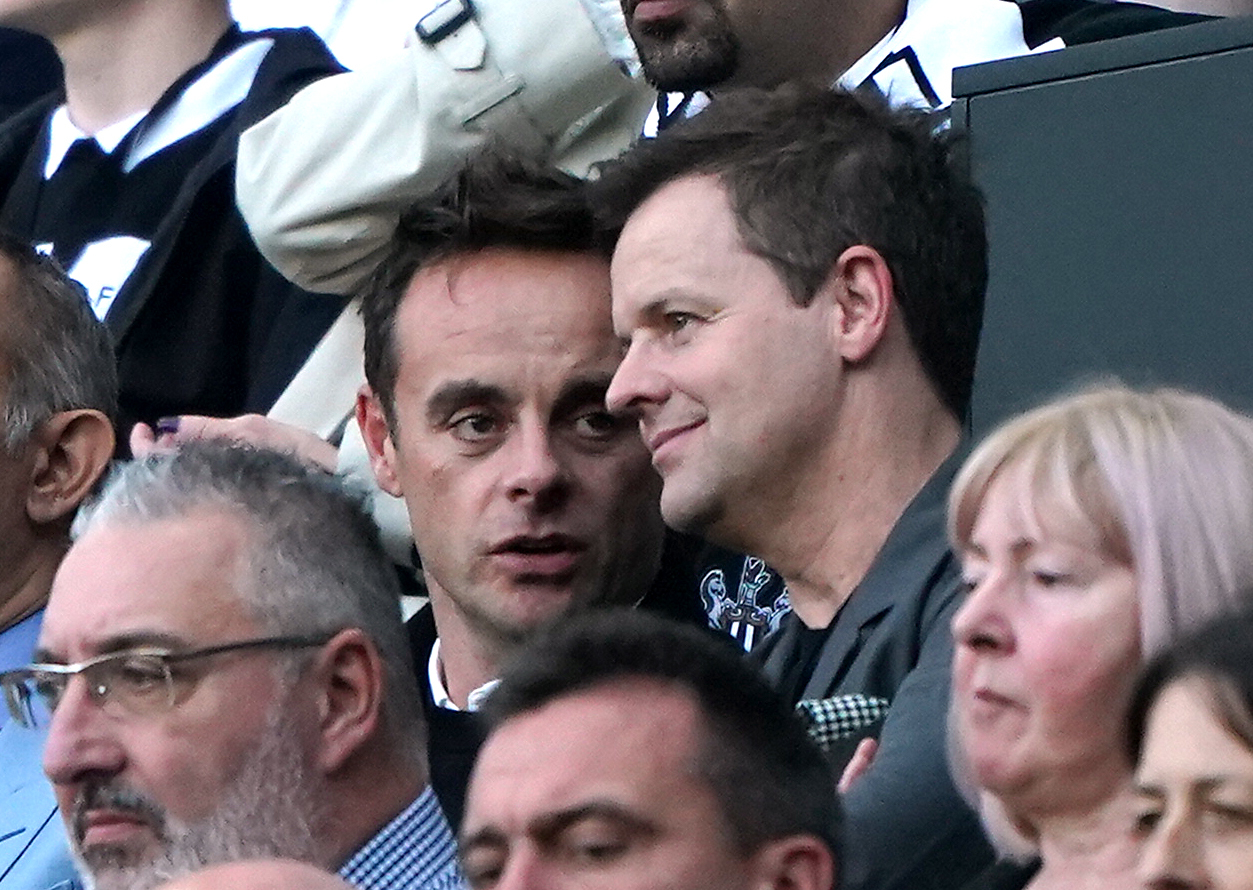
{"x":415,"y":851}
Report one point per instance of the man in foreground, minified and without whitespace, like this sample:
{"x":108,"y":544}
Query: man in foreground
{"x":679,"y":768}
{"x":58,"y":393}
{"x":228,"y":678}
{"x":800,"y":279}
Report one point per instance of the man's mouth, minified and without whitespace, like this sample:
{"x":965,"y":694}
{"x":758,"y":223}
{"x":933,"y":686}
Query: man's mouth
{"x":654,"y":13}
{"x":659,"y":442}
{"x":112,"y":828}
{"x":551,"y":558}
{"x":108,"y":816}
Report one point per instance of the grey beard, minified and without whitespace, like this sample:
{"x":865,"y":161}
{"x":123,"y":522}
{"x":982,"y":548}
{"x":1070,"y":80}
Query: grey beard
{"x":269,"y":809}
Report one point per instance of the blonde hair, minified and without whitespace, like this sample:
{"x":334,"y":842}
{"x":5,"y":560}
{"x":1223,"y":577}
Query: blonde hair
{"x":1163,"y":477}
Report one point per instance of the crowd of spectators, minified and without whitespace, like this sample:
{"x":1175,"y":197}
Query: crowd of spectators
{"x":539,"y":457}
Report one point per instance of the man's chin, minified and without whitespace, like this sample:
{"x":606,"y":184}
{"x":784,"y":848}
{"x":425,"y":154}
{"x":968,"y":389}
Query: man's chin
{"x":683,"y":63}
{"x":116,"y":866}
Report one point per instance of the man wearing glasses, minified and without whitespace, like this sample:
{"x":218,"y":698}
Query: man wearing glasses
{"x":224,"y":674}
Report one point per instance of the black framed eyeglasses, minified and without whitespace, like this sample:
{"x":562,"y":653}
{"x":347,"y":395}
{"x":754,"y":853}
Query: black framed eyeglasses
{"x":135,"y":682}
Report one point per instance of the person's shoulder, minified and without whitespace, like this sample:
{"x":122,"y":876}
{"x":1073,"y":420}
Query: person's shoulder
{"x":1087,"y":21}
{"x":297,"y":58}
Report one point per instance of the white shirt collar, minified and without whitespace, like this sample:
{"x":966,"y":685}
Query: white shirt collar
{"x":942,"y":35}
{"x":210,"y":96}
{"x":63,"y":132}
{"x":435,"y":675}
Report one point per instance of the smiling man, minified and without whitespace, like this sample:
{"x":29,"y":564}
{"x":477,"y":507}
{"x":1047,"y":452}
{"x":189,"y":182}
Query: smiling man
{"x":489,"y":348}
{"x":228,"y":677}
{"x":800,"y":278}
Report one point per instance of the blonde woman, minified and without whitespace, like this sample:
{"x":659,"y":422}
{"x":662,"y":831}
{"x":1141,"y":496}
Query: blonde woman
{"x":1080,"y":526}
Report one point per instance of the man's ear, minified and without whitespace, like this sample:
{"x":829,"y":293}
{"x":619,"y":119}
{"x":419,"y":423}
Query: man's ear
{"x":797,"y":862}
{"x":349,"y":677}
{"x":861,"y":285}
{"x":72,"y":450}
{"x":376,"y":432}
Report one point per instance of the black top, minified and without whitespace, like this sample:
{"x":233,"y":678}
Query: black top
{"x":29,"y":68}
{"x":201,"y":324}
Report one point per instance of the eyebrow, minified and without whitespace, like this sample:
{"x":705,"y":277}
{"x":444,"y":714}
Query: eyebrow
{"x":549,"y":825}
{"x":552,"y":824}
{"x":120,"y":643}
{"x":458,"y":393}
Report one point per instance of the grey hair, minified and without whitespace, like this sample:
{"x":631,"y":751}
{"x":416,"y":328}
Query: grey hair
{"x":315,"y":566}
{"x":59,"y":355}
{"x":1165,"y":479}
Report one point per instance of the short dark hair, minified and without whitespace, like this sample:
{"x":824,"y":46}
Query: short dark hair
{"x":811,"y":172}
{"x":59,"y":355}
{"x":769,"y":777}
{"x":1219,"y":655}
{"x":498,"y":199}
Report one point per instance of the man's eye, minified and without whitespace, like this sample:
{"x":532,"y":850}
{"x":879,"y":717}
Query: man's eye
{"x":1145,"y":821}
{"x":676,"y":321}
{"x":597,"y":424}
{"x":599,"y":852}
{"x":593,"y":850}
{"x":482,"y":870}
{"x":476,"y":427}
{"x":138,"y":675}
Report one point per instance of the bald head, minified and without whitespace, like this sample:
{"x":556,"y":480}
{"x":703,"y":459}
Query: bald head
{"x":259,"y":874}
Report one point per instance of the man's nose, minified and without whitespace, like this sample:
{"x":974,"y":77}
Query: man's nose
{"x":528,"y":870}
{"x":81,"y":738}
{"x":535,"y":470}
{"x":637,"y":383}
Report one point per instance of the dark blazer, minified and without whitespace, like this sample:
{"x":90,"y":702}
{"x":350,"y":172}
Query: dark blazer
{"x":906,"y":824}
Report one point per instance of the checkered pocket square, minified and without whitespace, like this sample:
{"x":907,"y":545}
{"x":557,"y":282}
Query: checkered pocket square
{"x":840,"y":717}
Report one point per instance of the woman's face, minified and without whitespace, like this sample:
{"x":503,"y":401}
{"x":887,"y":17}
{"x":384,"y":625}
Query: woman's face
{"x":1195,"y":790}
{"x":1047,"y":647}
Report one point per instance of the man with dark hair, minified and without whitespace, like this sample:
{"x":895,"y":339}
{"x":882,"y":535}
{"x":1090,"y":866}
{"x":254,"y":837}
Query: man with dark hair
{"x":680,"y":768}
{"x":488,"y":347}
{"x":800,"y":278}
{"x":225,"y":675}
{"x":126,"y":177}
{"x":58,"y":393}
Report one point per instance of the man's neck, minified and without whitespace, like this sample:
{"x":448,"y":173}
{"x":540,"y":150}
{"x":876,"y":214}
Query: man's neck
{"x":468,"y":658}
{"x":814,"y":42}
{"x":28,"y":582}
{"x":120,"y":63}
{"x":366,"y":799}
{"x":829,"y":522}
